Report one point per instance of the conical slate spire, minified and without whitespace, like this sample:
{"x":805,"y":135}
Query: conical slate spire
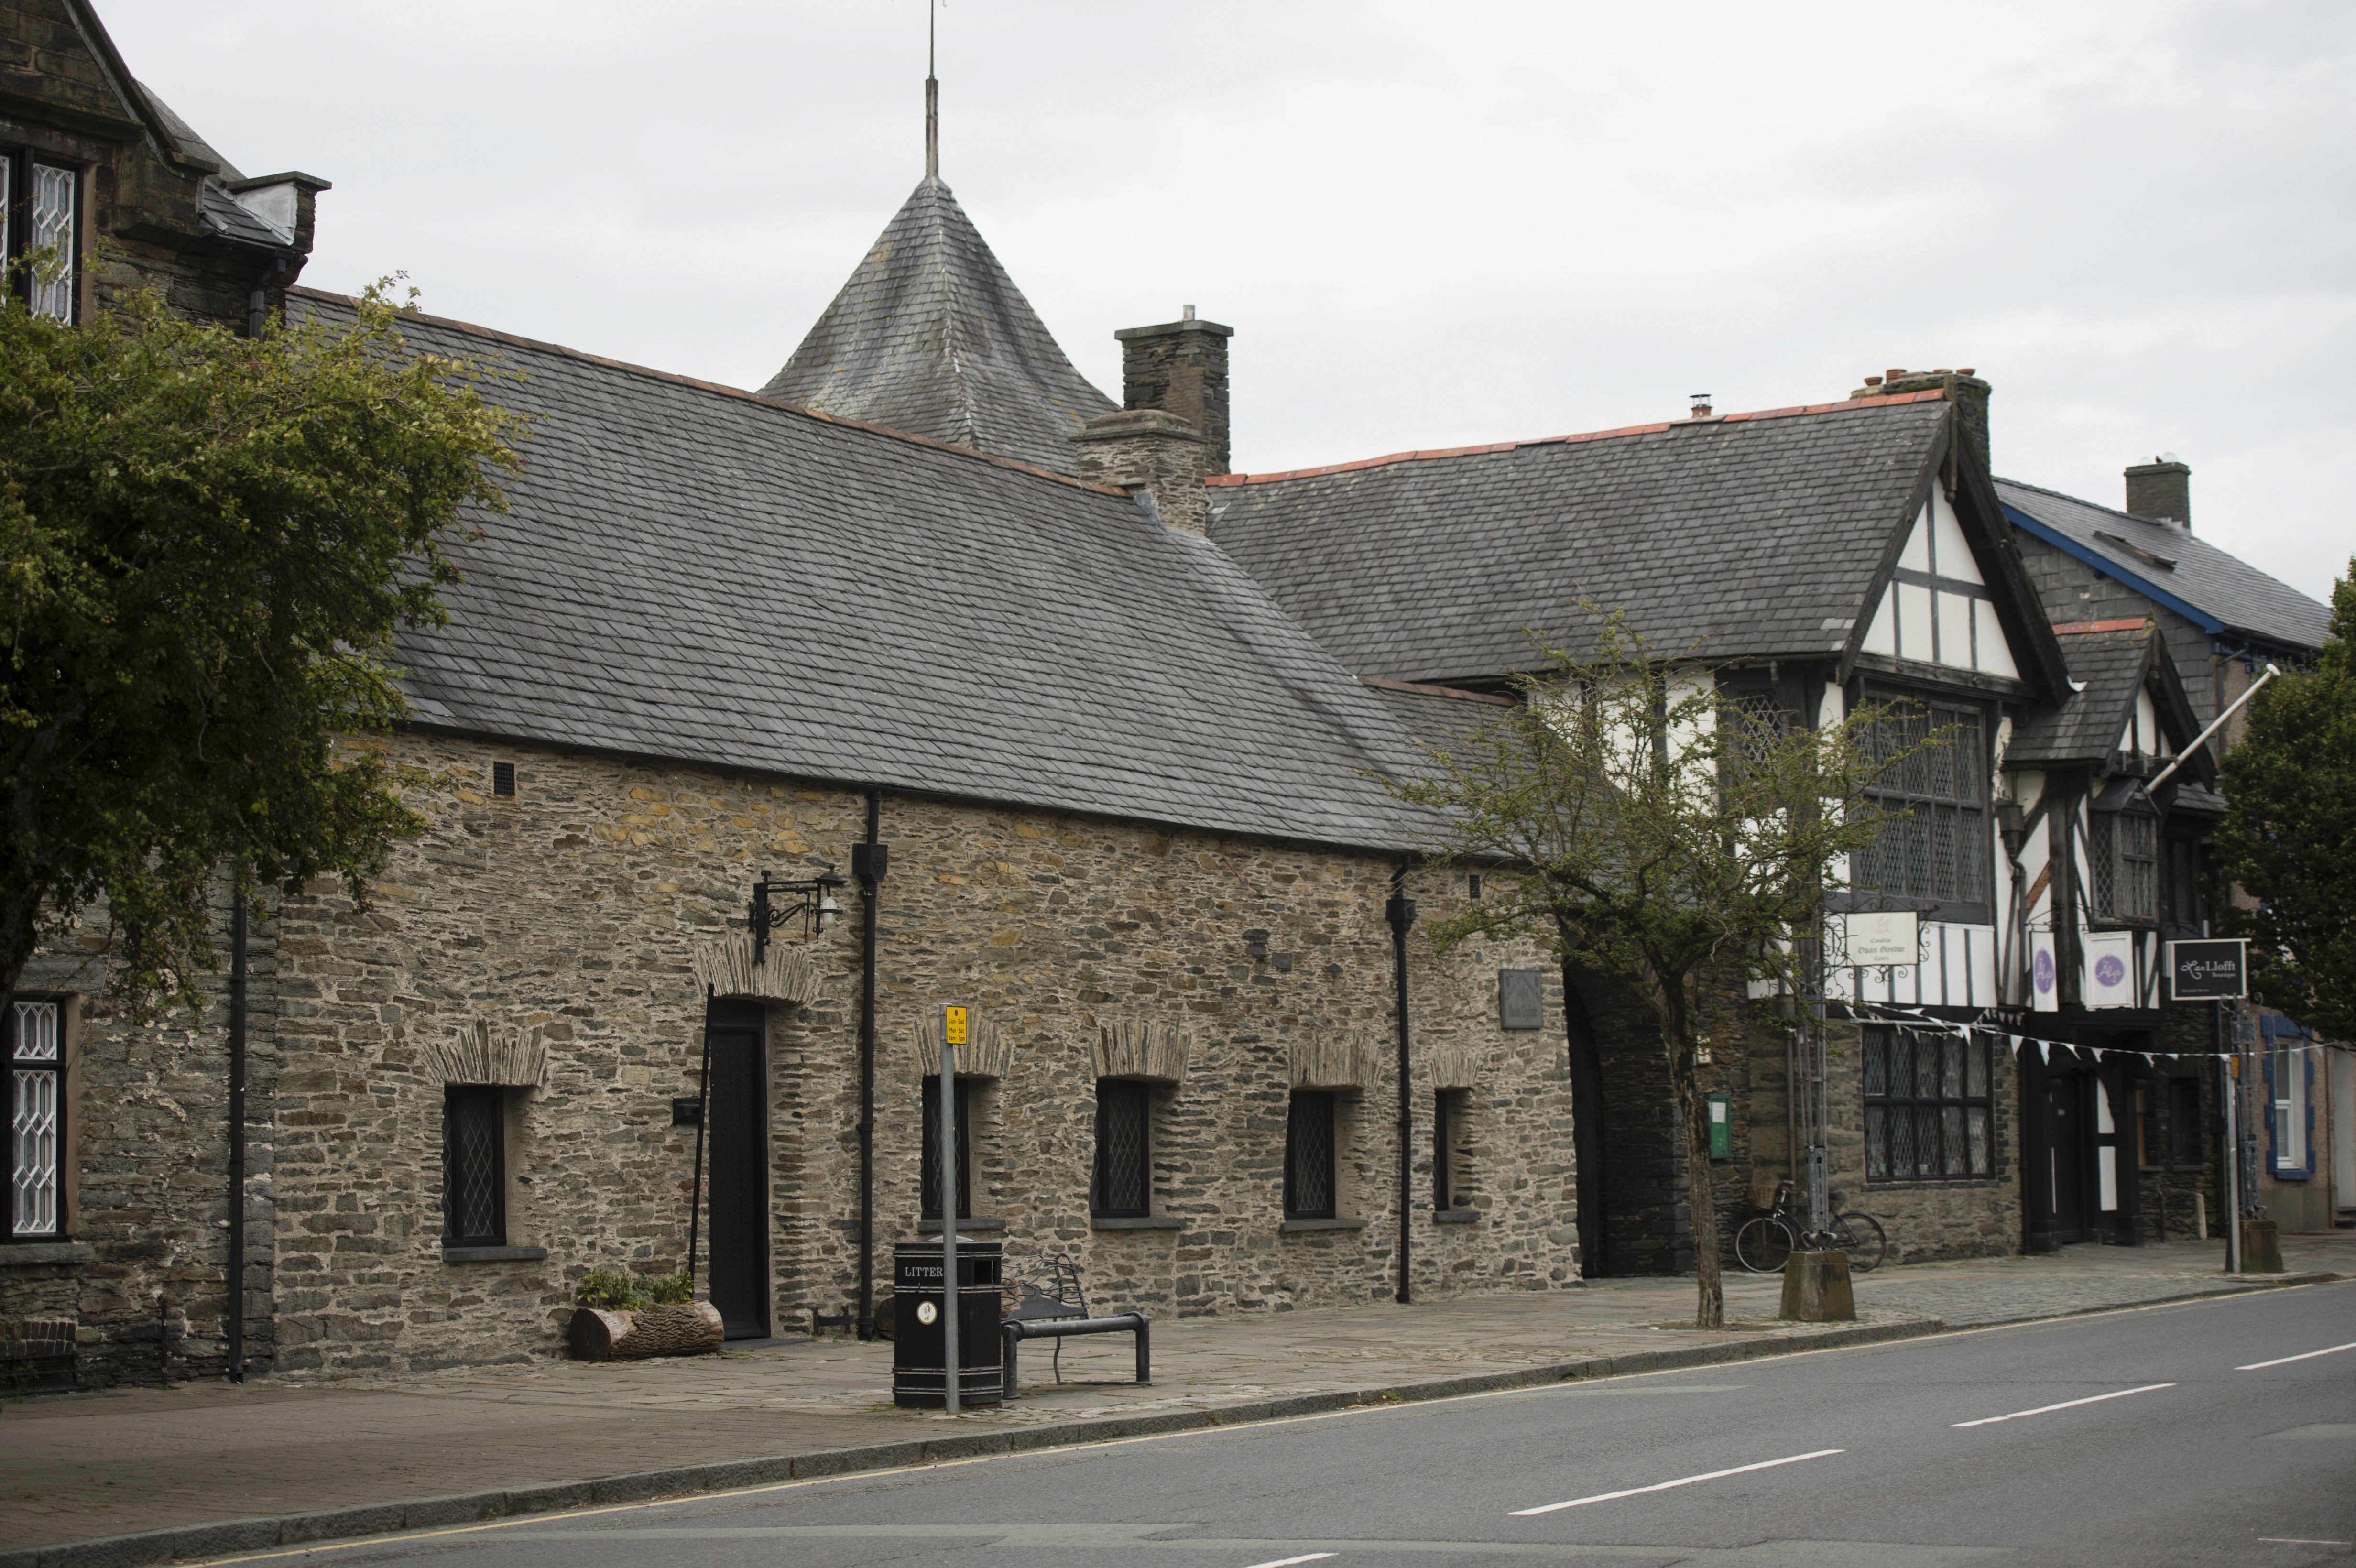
{"x":931,"y":336}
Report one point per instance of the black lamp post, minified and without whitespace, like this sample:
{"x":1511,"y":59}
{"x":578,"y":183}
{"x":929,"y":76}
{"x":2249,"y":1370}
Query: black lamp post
{"x":813,"y":900}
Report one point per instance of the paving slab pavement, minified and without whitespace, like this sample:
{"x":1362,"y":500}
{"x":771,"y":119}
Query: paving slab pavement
{"x":83,"y":1467}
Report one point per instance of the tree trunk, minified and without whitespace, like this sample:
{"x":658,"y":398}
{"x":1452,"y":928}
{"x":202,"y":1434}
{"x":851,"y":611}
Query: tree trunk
{"x":1701,"y":1202}
{"x":691,"y":1330}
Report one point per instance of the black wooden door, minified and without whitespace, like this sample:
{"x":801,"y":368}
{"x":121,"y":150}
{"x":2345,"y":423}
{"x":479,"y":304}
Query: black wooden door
{"x":737,"y":1123}
{"x":2066,"y":1154}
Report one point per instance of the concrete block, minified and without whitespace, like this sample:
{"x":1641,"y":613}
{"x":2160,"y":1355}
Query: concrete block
{"x":1816,"y":1288}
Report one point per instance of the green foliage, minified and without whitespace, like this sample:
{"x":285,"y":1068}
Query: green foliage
{"x":2289,"y":838}
{"x":208,"y":542}
{"x":619,"y":1290}
{"x":1651,"y":829}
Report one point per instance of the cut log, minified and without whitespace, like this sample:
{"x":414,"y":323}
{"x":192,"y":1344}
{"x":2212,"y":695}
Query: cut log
{"x":693,"y":1329}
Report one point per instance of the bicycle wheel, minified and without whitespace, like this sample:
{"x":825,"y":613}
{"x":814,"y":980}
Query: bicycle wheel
{"x":1860,"y":1235}
{"x":1762,"y":1244}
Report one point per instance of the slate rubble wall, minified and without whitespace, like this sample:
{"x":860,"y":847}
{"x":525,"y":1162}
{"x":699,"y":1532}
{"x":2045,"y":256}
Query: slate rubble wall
{"x":571,"y":906}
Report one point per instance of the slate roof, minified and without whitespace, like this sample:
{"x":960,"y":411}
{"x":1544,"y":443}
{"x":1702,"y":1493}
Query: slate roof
{"x":2219,"y":592}
{"x":2110,"y":663}
{"x":693,"y":573}
{"x":931,"y":336}
{"x":1761,"y":532}
{"x":2084,"y":727}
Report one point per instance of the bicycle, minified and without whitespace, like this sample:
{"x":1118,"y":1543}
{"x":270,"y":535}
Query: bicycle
{"x":1762,"y":1243}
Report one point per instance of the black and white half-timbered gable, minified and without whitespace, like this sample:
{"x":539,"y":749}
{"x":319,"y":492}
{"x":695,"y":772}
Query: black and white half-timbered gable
{"x":2219,"y":622}
{"x":1825,"y":556}
{"x":2108,"y":871}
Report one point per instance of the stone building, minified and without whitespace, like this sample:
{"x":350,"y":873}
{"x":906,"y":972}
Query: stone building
{"x":95,"y":165}
{"x":116,"y":1219}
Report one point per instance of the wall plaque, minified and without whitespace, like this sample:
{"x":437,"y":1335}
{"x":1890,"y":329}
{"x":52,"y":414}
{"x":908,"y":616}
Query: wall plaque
{"x":1521,"y":998}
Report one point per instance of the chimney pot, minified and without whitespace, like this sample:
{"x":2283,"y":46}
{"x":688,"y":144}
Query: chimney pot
{"x":2162,"y":491}
{"x":1701,"y":405}
{"x":1186,"y":312}
{"x":1967,"y":370}
{"x":1896,"y":372}
{"x":1873,"y":381}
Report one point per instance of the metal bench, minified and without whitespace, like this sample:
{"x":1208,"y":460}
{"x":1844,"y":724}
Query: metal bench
{"x":1057,"y":1309}
{"x":1014,"y":1330}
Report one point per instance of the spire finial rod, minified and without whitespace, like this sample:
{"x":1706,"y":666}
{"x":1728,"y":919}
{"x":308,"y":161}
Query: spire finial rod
{"x":932,"y":97}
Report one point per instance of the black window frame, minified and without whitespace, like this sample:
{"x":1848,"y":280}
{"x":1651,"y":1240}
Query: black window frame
{"x":1312,"y":1127}
{"x":1451,"y":1113}
{"x":1123,"y":1105}
{"x":2188,"y":1143}
{"x":16,"y":221}
{"x":1947,"y":786}
{"x":1915,"y":1122}
{"x":465,"y":1106}
{"x":2180,"y":870}
{"x":929,"y":1144}
{"x":2125,"y":860}
{"x":54,"y":1066}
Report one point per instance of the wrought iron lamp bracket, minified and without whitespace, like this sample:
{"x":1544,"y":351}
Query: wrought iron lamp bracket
{"x":811,"y":899}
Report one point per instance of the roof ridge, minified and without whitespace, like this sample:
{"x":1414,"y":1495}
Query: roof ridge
{"x":2094,"y":505}
{"x":1933,"y":395}
{"x":2075,"y":628}
{"x":739,"y":394}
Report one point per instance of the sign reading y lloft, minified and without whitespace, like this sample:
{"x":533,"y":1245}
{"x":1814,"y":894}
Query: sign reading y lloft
{"x":2211,"y":971}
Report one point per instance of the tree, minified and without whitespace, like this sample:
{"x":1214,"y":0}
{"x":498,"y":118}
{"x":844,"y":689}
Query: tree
{"x":209,"y":542}
{"x":1654,"y":830}
{"x":2289,"y":834}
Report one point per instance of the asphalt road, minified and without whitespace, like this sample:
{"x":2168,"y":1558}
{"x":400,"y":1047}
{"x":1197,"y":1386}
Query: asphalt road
{"x":2146,"y":1437}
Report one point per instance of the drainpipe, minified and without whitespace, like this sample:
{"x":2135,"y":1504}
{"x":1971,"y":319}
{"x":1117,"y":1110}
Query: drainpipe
{"x":867,"y":863}
{"x":233,"y":1307}
{"x":257,"y":302}
{"x":703,"y":1115}
{"x":1400,"y":911}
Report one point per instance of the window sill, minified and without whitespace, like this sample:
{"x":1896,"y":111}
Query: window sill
{"x":1455,"y":1216}
{"x":493,"y":1255}
{"x":1297,"y":1227}
{"x":2292,"y":1174}
{"x":930,"y":1225}
{"x":36,"y":1254}
{"x":1135,"y":1222}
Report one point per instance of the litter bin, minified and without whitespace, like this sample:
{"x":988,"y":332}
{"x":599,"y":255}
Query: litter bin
{"x":918,"y":1374}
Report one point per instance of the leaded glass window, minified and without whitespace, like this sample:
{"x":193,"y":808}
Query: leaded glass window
{"x":1930,"y":1109}
{"x":35,"y":1122}
{"x":1124,"y":1157}
{"x":53,"y":193}
{"x":929,"y":1179}
{"x":474,"y":1166}
{"x":2122,"y":848}
{"x":1309,"y":1157}
{"x":1934,"y":845}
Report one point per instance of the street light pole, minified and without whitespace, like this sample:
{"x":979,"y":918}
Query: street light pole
{"x":953,"y":1025}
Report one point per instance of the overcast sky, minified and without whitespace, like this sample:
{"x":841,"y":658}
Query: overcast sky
{"x":1430,"y":225}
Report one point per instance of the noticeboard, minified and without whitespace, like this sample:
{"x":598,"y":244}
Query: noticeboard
{"x":2212,"y":970}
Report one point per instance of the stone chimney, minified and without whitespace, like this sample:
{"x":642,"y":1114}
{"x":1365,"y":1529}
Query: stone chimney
{"x":2161,"y":489}
{"x":1964,"y":389}
{"x":1179,"y":367}
{"x":1156,"y":451}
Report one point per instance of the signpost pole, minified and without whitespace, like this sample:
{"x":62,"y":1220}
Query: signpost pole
{"x":953,"y":1024}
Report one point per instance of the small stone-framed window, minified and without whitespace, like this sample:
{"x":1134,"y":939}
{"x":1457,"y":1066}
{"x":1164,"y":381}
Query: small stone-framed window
{"x":43,"y":205}
{"x":1123,"y":1188}
{"x":36,"y":1121}
{"x":1309,"y":1162}
{"x":474,"y":1166}
{"x":1451,"y":1151}
{"x":928,"y":1190}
